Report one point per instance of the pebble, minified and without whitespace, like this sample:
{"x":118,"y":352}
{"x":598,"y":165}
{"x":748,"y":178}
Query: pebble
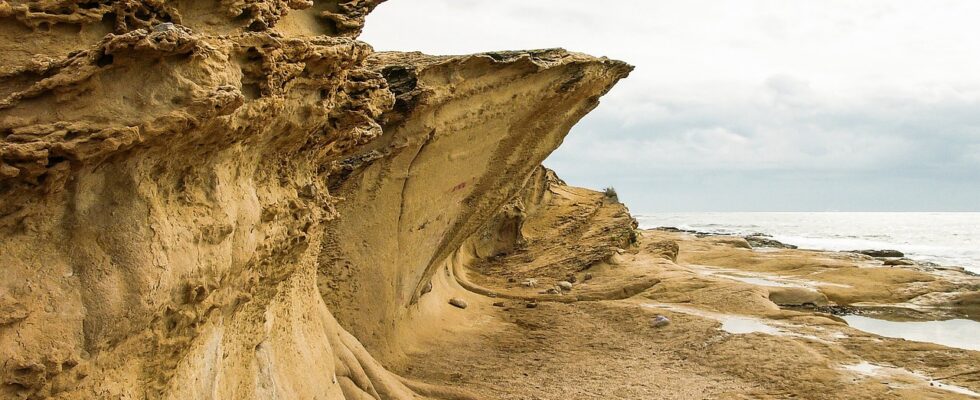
{"x":571,"y":278}
{"x":532,"y":305}
{"x":659,"y":321}
{"x":564,"y":285}
{"x":457,"y":302}
{"x":554,"y":290}
{"x":530,"y":282}
{"x":587,"y":277}
{"x":498,"y":304}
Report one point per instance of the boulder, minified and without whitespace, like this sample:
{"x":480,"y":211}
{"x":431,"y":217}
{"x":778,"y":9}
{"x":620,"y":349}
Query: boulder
{"x":880,"y":253}
{"x":766,"y":241}
{"x":674,"y":229}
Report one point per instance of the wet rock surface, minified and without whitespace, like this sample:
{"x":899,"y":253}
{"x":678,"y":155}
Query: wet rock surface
{"x":764,"y":241}
{"x":880,"y":253}
{"x":725,"y":336}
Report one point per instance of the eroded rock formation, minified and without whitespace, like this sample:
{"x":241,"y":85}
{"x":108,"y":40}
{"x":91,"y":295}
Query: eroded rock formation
{"x":193,"y":194}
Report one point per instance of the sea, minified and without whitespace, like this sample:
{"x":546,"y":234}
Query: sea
{"x":944,"y":238}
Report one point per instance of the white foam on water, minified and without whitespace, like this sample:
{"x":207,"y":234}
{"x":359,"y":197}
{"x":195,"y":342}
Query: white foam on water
{"x":950,"y":239}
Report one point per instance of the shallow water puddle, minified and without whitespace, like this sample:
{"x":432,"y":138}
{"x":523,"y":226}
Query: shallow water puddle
{"x":740,"y":325}
{"x":960,"y":333}
{"x":881,"y":371}
{"x":734,"y":324}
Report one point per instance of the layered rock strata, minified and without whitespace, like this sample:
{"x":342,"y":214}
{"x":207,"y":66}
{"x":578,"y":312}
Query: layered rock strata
{"x":193,"y":195}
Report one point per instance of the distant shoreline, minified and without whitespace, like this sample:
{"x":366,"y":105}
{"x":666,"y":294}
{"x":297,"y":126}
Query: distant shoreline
{"x":935,"y":239}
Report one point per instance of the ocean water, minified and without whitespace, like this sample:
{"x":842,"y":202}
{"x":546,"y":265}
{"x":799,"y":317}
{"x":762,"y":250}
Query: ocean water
{"x":950,"y":239}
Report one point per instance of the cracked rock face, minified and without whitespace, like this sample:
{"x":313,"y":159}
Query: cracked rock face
{"x":193,"y":194}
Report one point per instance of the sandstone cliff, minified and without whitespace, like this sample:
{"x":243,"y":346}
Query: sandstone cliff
{"x":192,"y":195}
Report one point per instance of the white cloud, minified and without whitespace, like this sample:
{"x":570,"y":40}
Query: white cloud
{"x":882,"y":88}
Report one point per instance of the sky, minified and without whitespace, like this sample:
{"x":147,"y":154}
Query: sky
{"x":749,"y":105}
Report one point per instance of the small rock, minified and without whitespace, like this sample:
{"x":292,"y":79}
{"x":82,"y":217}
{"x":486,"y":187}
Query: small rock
{"x":498,"y":304}
{"x":554,"y":290}
{"x":457,"y":302}
{"x":673,"y":229}
{"x":426,"y":289}
{"x":530,"y":282}
{"x":166,"y":26}
{"x":880,"y":253}
{"x":564,"y":285}
{"x":571,"y":278}
{"x":532,"y":305}
{"x":587,"y":277}
{"x":759,"y":240}
{"x":659,"y":321}
{"x":900,"y":261}
{"x":511,"y":280}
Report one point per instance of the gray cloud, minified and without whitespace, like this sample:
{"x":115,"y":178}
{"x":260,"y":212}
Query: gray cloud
{"x":762,"y":104}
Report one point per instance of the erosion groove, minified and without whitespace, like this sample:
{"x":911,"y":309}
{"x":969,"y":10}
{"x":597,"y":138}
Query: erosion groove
{"x":240,"y":200}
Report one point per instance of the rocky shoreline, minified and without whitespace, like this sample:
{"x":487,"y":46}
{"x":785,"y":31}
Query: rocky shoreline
{"x":888,"y":257}
{"x":964,"y":306}
{"x":690,"y":315}
{"x":240,"y":200}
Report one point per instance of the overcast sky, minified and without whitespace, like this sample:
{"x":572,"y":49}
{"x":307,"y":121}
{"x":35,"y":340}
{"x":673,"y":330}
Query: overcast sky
{"x":748,"y":105}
